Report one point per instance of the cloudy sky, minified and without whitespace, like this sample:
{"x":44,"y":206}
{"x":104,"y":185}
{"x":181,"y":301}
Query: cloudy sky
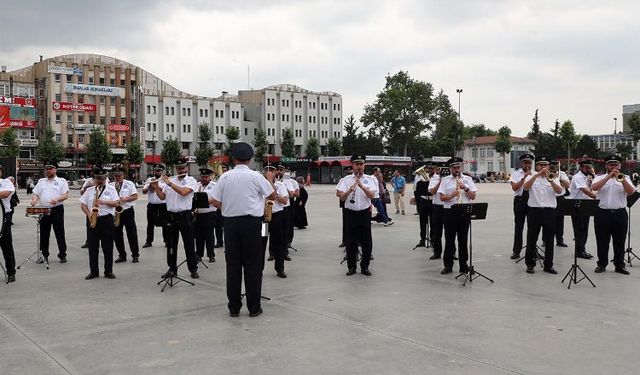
{"x":572,"y":59}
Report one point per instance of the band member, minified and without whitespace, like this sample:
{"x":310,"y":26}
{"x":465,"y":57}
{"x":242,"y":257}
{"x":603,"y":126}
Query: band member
{"x":580,"y":188}
{"x":424,"y":201}
{"x":178,"y":195}
{"x":156,"y":208}
{"x":105,"y":199}
{"x":564,"y":183}
{"x":300,"y":203}
{"x":399,"y":184}
{"x":456,"y":188}
{"x":128,"y":194}
{"x":357,"y":190}
{"x":7,"y":189}
{"x":520,"y":198}
{"x":87,"y":184}
{"x":437,"y":213}
{"x":378,"y":201}
{"x":241,"y":194}
{"x":611,"y":219}
{"x":52,"y":191}
{"x":294,"y":191}
{"x":206,"y":218}
{"x":277,"y":232}
{"x":219,"y":226}
{"x":541,"y":214}
{"x":348,"y":171}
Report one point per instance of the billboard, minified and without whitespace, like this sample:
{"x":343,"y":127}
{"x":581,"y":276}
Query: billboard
{"x":28,"y":102}
{"x":66,"y":106}
{"x":77,"y":88}
{"x":17,"y":117}
{"x":64,"y":70}
{"x":118,"y":128}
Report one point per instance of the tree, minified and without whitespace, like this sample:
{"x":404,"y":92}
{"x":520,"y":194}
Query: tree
{"x":634,"y":126}
{"x":10,"y":145}
{"x":334,"y":147}
{"x":624,"y":150}
{"x":404,"y":109}
{"x":171,"y":152}
{"x":49,"y":151}
{"x":350,"y":135}
{"x":503,"y":144}
{"x":232,"y":133}
{"x":288,"y":144}
{"x":260,"y":145}
{"x":535,"y":128}
{"x":312,"y":149}
{"x":98,"y":150}
{"x":569,"y":138}
{"x":134,"y":152}
{"x":587,"y":146}
{"x":204,"y":152}
{"x":476,"y":130}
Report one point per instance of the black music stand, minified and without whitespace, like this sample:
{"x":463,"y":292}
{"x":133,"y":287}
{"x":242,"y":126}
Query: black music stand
{"x":41,"y":258}
{"x":472,"y":211}
{"x":631,"y":200}
{"x":170,"y":278}
{"x":580,"y":207}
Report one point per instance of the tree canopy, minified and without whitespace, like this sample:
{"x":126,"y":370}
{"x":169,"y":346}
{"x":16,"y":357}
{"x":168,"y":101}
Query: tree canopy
{"x":98,"y":149}
{"x":171,"y":152}
{"x":288,"y":144}
{"x":260,"y":146}
{"x":49,"y":151}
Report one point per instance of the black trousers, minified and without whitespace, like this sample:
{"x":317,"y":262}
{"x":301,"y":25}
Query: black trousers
{"x":559,"y":229}
{"x":277,"y":244}
{"x":424,"y":210}
{"x":55,"y":219}
{"x":101,"y":235}
{"x":580,"y":232}
{"x":437,"y":223}
{"x":6,"y":244}
{"x":289,"y":229}
{"x":205,"y":233}
{"x":219,"y":230}
{"x":519,"y":216}
{"x":181,"y":224}
{"x":243,"y":252}
{"x":344,"y":224}
{"x":154,"y":210}
{"x":455,"y":226}
{"x":358,"y":231}
{"x":540,"y":219}
{"x":611,"y":225}
{"x":128,"y":223}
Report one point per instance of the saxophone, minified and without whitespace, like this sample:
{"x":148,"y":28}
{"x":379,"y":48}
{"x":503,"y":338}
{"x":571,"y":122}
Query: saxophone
{"x":458,"y":189}
{"x":116,"y":221}
{"x":268,"y":210}
{"x":93,"y":220}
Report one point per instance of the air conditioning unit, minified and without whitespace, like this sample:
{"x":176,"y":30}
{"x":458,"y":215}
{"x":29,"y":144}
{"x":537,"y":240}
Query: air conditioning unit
{"x":69,"y":145}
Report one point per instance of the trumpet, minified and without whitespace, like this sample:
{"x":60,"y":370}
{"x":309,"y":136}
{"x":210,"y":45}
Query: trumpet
{"x":551,"y":176}
{"x":620,"y":177}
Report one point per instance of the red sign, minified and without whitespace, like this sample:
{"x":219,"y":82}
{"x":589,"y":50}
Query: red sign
{"x":65,"y":106}
{"x":4,"y":117}
{"x":27,"y":102}
{"x":17,"y":116}
{"x":118,"y":128}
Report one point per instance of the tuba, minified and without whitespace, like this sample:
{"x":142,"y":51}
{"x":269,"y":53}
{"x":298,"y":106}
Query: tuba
{"x":216,"y":166}
{"x":422,"y":172}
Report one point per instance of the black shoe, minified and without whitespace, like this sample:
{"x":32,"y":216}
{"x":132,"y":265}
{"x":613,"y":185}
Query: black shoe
{"x":169,"y":274}
{"x":146,"y":244}
{"x":421,"y":244}
{"x":63,"y":260}
{"x":550,"y":270}
{"x":212,"y":259}
{"x":85,"y":246}
{"x":366,"y":272}
{"x":109,"y":275}
{"x":351,"y":271}
{"x":120,"y":260}
{"x":135,"y":260}
{"x":270,"y":258}
{"x":257,"y":313}
{"x":584,"y":255}
{"x":91,"y":276}
{"x":287,"y":258}
{"x":600,"y":269}
{"x":446,"y":271}
{"x":342,"y":244}
{"x":435,"y":256}
{"x":282,"y":275}
{"x":194,"y":275}
{"x":622,"y":270}
{"x":218,"y":245}
{"x":530,"y":269}
{"x":465,"y":269}
{"x":515,"y":256}
{"x":234,"y":314}
{"x":562,"y":244}
{"x":11,"y":278}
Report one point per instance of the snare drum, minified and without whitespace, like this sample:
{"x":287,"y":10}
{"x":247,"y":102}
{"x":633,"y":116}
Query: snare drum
{"x":37,"y":211}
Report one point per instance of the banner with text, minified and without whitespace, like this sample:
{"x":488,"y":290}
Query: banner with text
{"x":66,"y":106}
{"x":118,"y":128}
{"x":27,"y":102}
{"x":76,"y":88}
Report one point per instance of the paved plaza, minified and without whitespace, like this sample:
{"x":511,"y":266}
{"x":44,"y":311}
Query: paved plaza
{"x":405,"y":319}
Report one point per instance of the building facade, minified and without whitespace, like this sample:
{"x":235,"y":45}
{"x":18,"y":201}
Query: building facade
{"x":627,"y":112}
{"x":608,"y":143}
{"x":480,"y":155}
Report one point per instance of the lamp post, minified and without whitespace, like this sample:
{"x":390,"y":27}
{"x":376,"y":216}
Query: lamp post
{"x":459,"y":91}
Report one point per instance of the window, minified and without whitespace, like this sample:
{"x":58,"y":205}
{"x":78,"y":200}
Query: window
{"x":57,"y":118}
{"x":246,"y":131}
{"x":154,"y":109}
{"x":474,"y":152}
{"x":489,"y":166}
{"x":154,"y":127}
{"x":184,"y":111}
{"x":222,"y":113}
{"x":69,"y":117}
{"x":92,"y":119}
{"x":185,"y":145}
{"x":173,"y":111}
{"x":101,"y":81}
{"x":91,"y":80}
{"x":148,"y":109}
{"x":57,"y":77}
{"x":166,"y":110}
{"x":167,"y":126}
{"x":217,"y":113}
{"x":148,"y":126}
{"x":206,"y":113}
{"x":101,"y":100}
{"x":200,"y":112}
{"x":173,"y":129}
{"x":489,"y":152}
{"x":287,"y":117}
{"x":81,"y":119}
{"x":80,"y":138}
{"x":283,"y":102}
{"x":188,"y":128}
{"x":58,"y":97}
{"x":255,"y":131}
{"x":482,"y":152}
{"x":184,"y":128}
{"x":282,"y":117}
{"x":112,"y":82}
{"x":70,"y":138}
{"x":103,"y":120}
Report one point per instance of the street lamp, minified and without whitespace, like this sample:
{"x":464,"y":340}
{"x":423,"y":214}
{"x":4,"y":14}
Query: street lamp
{"x":615,"y":132}
{"x":459,"y":91}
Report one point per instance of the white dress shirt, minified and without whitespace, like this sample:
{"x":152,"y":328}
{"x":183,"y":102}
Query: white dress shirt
{"x":432,"y":184}
{"x":242,"y":192}
{"x":6,"y":185}
{"x":282,"y":191}
{"x":448,"y":186}
{"x":49,"y":189}
{"x":109,"y":194}
{"x":541,"y":193}
{"x":361,"y":200}
{"x":578,"y":182}
{"x":515,"y":178}
{"x":176,"y":202}
{"x":128,"y":188}
{"x":209,"y":190}
{"x":612,"y":195}
{"x":562,"y":176}
{"x":291,"y":185}
{"x":152,"y":197}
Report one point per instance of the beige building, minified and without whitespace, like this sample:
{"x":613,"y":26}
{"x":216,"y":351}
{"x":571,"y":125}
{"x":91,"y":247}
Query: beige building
{"x":480,"y":155}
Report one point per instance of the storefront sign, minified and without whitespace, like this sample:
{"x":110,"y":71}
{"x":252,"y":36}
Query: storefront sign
{"x":64,"y":70}
{"x":65,"y":106}
{"x":28,"y":142}
{"x":118,"y":128}
{"x":76,"y":88}
{"x":27,"y":102}
{"x":17,"y":117}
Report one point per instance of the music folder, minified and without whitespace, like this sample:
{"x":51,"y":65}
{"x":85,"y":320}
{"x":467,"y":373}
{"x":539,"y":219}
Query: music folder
{"x":200,"y":200}
{"x":582,"y":207}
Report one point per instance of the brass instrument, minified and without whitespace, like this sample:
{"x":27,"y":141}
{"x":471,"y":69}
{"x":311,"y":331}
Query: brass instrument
{"x":93,"y":219}
{"x":620,"y":177}
{"x":116,"y":221}
{"x":268,"y":210}
{"x":551,"y":176}
{"x":458,"y":189}
{"x":216,"y":166}
{"x":422,"y":172}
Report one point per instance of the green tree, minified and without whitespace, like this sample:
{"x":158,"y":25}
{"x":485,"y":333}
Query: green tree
{"x":503,"y":144}
{"x":233,"y":134}
{"x":288,"y":144}
{"x":204,"y":152}
{"x":134,"y":152}
{"x":260,"y":146}
{"x":350,"y":135}
{"x":476,"y":130}
{"x":634,"y":126}
{"x":10,"y":145}
{"x":98,"y":150}
{"x":624,"y":150}
{"x":535,"y":128}
{"x":404,"y":109}
{"x":334,"y":147}
{"x":569,"y":139}
{"x":587,"y":146}
{"x":312,"y":149}
{"x":171,"y":152}
{"x":49,"y":151}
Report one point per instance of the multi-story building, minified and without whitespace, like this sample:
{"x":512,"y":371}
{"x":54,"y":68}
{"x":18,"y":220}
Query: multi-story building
{"x":627,"y":112}
{"x":609,"y":142}
{"x":18,"y":106}
{"x":481,"y":157}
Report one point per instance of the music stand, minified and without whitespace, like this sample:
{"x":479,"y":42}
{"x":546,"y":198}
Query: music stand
{"x":40,"y":259}
{"x":579,"y":207}
{"x":471,"y":211}
{"x":631,"y":200}
{"x":171,"y":278}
